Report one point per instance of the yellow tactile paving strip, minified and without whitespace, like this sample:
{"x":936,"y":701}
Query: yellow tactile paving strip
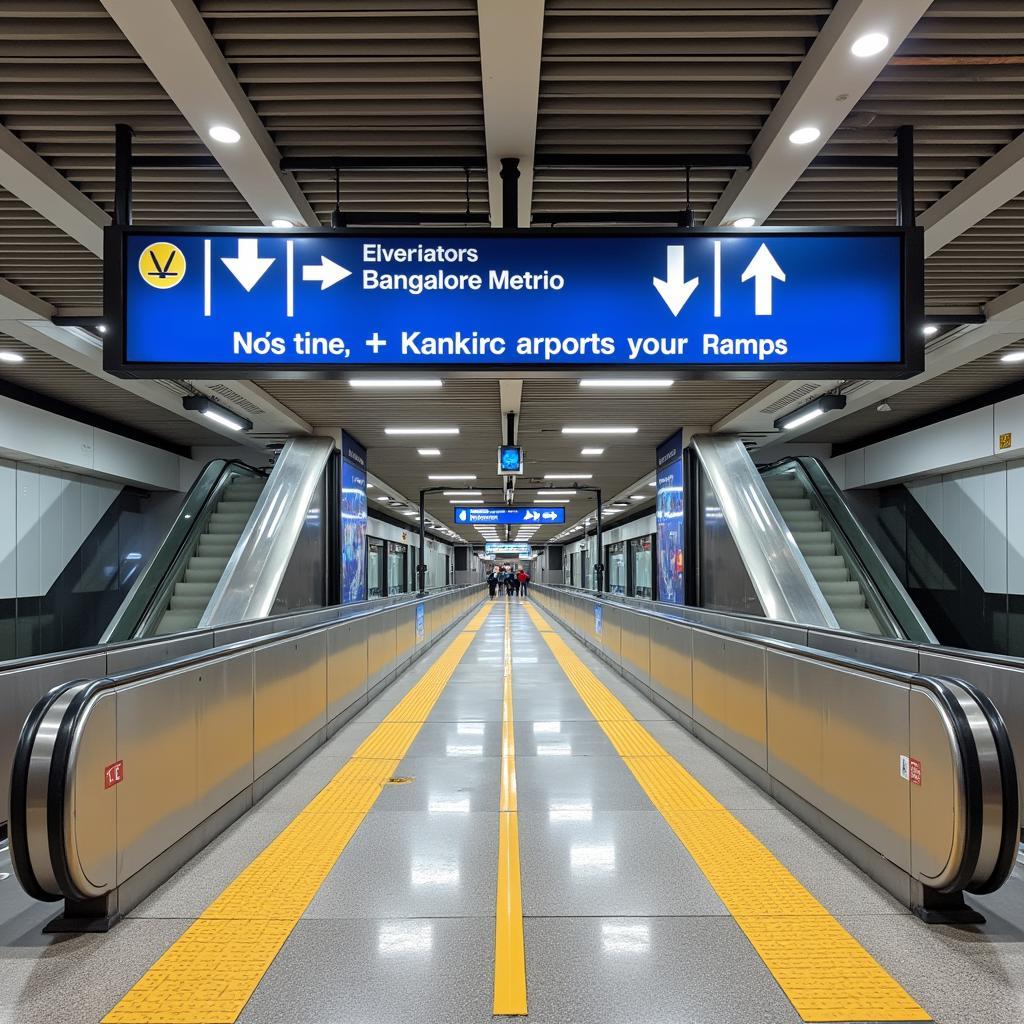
{"x":509,"y":946}
{"x":208,"y":975}
{"x":824,"y":972}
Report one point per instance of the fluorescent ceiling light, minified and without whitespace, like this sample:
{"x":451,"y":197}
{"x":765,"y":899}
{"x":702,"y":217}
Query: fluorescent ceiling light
{"x":425,"y":431}
{"x":870,"y":44}
{"x":548,"y":501}
{"x":452,"y":476}
{"x":805,"y":135}
{"x":12,"y":357}
{"x":639,"y":497}
{"x":222,"y":133}
{"x":599,"y":430}
{"x":930,"y":329}
{"x":744,"y":222}
{"x":429,"y":451}
{"x":620,"y":504}
{"x":811,"y":411}
{"x":1017,"y":356}
{"x":626,"y":382}
{"x":394,"y":382}
{"x":591,"y":451}
{"x":463,"y":494}
{"x":568,"y":476}
{"x":559,"y":492}
{"x":652,"y":483}
{"x":466,"y":501}
{"x":211,"y":410}
{"x":383,"y":497}
{"x":280,"y":222}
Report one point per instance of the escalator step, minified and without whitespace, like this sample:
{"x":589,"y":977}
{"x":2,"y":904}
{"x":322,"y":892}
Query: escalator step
{"x":190,"y":589}
{"x":835,"y":588}
{"x":203,"y":575}
{"x":177,"y":622}
{"x":858,"y":620}
{"x":232,"y":507}
{"x":787,"y":505}
{"x":188,"y":602}
{"x":846,"y":601}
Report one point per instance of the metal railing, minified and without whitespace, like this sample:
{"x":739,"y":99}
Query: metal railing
{"x":119,"y":779}
{"x":911,"y":774}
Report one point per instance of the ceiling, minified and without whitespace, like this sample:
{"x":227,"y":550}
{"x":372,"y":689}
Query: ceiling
{"x":398,"y":78}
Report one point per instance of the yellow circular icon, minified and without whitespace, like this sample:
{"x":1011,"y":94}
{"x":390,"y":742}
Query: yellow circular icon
{"x":162,"y":265}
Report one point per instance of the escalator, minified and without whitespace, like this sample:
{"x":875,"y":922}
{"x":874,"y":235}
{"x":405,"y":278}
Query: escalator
{"x":807,"y":557}
{"x":234,"y":520}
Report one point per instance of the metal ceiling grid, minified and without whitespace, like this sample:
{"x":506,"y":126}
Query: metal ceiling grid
{"x":933,"y":396}
{"x":37,"y":256}
{"x":373,"y":78}
{"x":664,"y":76}
{"x":53,"y":378}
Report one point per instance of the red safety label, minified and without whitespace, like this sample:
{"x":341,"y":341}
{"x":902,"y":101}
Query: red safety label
{"x":113,"y":774}
{"x":915,"y":772}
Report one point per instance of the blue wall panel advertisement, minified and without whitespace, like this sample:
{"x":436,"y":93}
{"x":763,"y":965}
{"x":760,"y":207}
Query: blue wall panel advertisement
{"x":421,"y":623}
{"x":670,"y":517}
{"x":353,"y":521}
{"x":263,"y":300}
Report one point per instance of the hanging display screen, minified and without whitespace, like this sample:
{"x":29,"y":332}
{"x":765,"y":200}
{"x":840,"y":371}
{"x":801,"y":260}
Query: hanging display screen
{"x":353,"y":521}
{"x":670,"y":517}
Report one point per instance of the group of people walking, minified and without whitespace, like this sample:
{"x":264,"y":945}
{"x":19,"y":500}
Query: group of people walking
{"x":515,"y":582}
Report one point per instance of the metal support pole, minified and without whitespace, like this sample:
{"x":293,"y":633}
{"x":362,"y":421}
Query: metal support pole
{"x":510,"y":428}
{"x":599,"y":563}
{"x":510,"y":192}
{"x":905,"y":215}
{"x":422,"y":564}
{"x":123,"y":174}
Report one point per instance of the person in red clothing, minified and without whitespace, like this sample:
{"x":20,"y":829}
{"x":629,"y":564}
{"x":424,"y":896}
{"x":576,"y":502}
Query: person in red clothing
{"x":524,"y":580}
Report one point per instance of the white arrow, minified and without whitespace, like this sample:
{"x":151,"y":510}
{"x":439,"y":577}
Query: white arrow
{"x":675,"y":289}
{"x":550,"y":515}
{"x":327,"y":273}
{"x":248,"y":266}
{"x":762,"y":268}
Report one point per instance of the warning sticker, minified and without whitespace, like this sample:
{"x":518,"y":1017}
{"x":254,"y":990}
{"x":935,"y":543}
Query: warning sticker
{"x":1005,"y":442}
{"x":113,"y":774}
{"x":904,"y":766}
{"x":915,"y":772}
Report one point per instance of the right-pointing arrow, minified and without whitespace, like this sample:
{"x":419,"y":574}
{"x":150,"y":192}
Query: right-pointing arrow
{"x":675,"y":289}
{"x":327,"y":273}
{"x":762,"y":268}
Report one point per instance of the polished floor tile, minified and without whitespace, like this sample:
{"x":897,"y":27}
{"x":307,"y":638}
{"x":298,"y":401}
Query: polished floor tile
{"x":447,"y":785}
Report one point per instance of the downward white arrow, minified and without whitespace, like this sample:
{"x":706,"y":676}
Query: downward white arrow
{"x":327,"y":273}
{"x":248,"y":266}
{"x":675,"y":289}
{"x":762,"y":268}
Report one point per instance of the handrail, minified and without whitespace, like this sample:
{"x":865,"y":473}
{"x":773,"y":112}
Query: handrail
{"x":78,"y":697}
{"x":889,"y":592}
{"x":137,"y":606}
{"x":947,"y":691}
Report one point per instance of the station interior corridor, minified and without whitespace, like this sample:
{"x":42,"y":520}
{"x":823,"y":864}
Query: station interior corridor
{"x":510,"y":769}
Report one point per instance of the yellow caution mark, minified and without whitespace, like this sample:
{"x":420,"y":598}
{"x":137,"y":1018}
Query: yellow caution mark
{"x":509,"y":945}
{"x":208,"y":975}
{"x":824,"y":972}
{"x":162,"y":265}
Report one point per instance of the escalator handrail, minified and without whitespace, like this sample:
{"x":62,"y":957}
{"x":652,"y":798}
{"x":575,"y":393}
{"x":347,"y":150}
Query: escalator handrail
{"x":137,"y":606}
{"x":67,"y":728}
{"x":877,"y":570}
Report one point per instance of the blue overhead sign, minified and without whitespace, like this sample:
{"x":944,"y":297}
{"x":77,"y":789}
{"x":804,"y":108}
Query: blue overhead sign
{"x":223,"y":302}
{"x":509,"y":548}
{"x":471,"y":515}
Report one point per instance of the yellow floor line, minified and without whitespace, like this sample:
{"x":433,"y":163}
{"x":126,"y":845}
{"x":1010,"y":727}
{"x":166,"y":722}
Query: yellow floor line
{"x":824,"y":972}
{"x":509,"y":946}
{"x":208,"y":975}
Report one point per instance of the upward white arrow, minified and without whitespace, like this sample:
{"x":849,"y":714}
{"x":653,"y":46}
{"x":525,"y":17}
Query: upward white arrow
{"x":762,"y":268}
{"x":675,"y":289}
{"x":248,"y":266}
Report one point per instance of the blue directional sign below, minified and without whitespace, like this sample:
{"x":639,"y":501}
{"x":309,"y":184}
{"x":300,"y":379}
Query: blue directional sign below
{"x":315,"y":301}
{"x":472,"y":515}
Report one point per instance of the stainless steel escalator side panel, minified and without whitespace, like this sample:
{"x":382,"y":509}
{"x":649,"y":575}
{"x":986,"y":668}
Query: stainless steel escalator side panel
{"x":781,"y":578}
{"x":257,"y":566}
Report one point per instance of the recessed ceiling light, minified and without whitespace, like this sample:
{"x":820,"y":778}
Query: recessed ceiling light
{"x":419,"y":431}
{"x":591,"y":451}
{"x":870,"y":44}
{"x":744,"y":222}
{"x":620,"y":504}
{"x":429,"y":451}
{"x":383,"y":497}
{"x":12,"y":357}
{"x":102,"y":328}
{"x":805,"y":135}
{"x":222,"y":133}
{"x":454,"y":476}
{"x":930,"y":329}
{"x":600,"y":430}
{"x":568,"y":476}
{"x":652,"y":483}
{"x":1017,"y":356}
{"x":639,"y":497}
{"x":394,"y":382}
{"x":280,"y":222}
{"x":626,"y":382}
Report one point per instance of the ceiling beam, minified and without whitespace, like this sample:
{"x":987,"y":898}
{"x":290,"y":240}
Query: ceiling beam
{"x":982,"y":192}
{"x":511,"y":37}
{"x":172,"y":39}
{"x":825,"y":88}
{"x":28,"y":176}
